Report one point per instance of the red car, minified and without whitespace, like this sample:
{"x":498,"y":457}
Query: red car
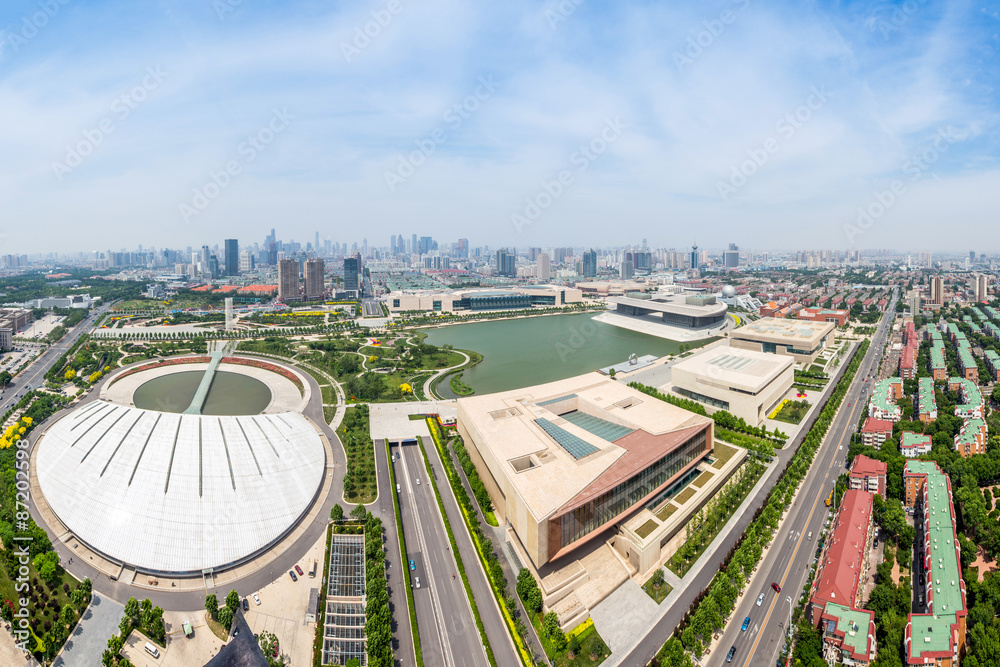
{"x":299,"y":570}
{"x":776,"y":587}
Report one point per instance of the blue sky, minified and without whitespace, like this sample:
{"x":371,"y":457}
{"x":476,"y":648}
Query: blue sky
{"x":785,"y":125}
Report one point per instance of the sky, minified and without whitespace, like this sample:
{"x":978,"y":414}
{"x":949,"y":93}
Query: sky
{"x":788,"y":125}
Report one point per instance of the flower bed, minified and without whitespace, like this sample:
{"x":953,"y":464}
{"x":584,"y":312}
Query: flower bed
{"x":159,"y":364}
{"x":254,"y":363}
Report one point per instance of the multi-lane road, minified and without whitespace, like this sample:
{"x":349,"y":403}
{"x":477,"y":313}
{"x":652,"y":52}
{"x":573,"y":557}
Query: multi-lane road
{"x":787,"y":561}
{"x":448,"y":634}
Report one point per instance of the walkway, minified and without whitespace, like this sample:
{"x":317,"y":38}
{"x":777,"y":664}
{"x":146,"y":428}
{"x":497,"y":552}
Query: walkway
{"x":91,"y":635}
{"x":220,"y":349}
{"x":427,"y":384}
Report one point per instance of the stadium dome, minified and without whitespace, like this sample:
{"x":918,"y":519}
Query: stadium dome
{"x":729,"y":291}
{"x":179,"y":493}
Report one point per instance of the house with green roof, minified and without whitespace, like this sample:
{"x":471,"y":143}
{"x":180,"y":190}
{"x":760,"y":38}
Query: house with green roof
{"x":883,"y":403}
{"x":926,"y":401}
{"x":993,"y":364}
{"x":936,"y":637}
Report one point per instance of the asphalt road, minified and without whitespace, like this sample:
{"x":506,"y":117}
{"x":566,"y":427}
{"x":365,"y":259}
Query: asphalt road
{"x":448,"y":634}
{"x":788,"y":561}
{"x":645,"y":650}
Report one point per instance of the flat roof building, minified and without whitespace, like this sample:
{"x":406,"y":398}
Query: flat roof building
{"x":936,"y":637}
{"x":912,"y":445}
{"x":837,"y":316}
{"x":926,"y":408}
{"x":802,"y":340}
{"x":515,"y":298}
{"x":565,"y":461}
{"x":748,"y":384}
{"x":884,"y":396}
{"x":693,"y":311}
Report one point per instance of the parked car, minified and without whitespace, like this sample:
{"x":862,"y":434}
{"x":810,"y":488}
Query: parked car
{"x":256,"y":598}
{"x":746,"y":624}
{"x":776,"y":587}
{"x":291,"y":573}
{"x":298,"y":570}
{"x":246,"y":605}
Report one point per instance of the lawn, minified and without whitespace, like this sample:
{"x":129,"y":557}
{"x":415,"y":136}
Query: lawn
{"x":645,"y":529}
{"x":666,"y":511}
{"x":722,"y":454}
{"x":702,"y":478}
{"x":793,"y":412}
{"x":684,"y":495}
{"x":581,"y":659}
{"x":658,"y":594}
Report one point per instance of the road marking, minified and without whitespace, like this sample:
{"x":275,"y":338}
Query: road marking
{"x":851,"y":420}
{"x":449,"y":659}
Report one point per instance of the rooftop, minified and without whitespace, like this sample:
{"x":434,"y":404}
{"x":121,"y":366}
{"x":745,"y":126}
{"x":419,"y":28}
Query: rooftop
{"x":946,"y":596}
{"x":784,"y":331}
{"x":925,"y":395}
{"x":564,"y":441}
{"x":854,"y":625}
{"x":910,"y":439}
{"x":842,"y":563}
{"x":744,"y":370}
{"x":865,"y":466}
{"x":882,"y":397}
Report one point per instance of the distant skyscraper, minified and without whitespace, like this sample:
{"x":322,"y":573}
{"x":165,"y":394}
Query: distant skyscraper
{"x":314,"y":279}
{"x":352,"y":269}
{"x":506,"y":262}
{"x":694,"y":256}
{"x":232,"y":247}
{"x":731,"y":257}
{"x":590,"y":264}
{"x":203,"y":259}
{"x":463,"y":248}
{"x":288,"y":280}
{"x":980,"y":287}
{"x":627,"y":270}
{"x":246,"y":261}
{"x":544,"y":271}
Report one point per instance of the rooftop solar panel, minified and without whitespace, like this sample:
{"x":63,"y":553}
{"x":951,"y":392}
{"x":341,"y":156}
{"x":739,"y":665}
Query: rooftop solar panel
{"x":603,"y":429}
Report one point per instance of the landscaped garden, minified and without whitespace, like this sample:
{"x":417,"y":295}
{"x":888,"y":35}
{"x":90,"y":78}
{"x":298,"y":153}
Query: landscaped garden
{"x":360,"y":482}
{"x":792,"y":412}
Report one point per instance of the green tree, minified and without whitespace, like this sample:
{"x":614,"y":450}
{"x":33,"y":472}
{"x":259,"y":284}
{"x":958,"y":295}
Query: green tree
{"x":226,"y":617}
{"x":212,"y":605}
{"x":359,"y":513}
{"x":337,"y":513}
{"x":233,"y":601}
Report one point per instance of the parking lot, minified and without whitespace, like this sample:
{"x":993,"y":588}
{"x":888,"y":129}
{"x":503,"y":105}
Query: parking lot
{"x":41,"y":328}
{"x":282,"y":608}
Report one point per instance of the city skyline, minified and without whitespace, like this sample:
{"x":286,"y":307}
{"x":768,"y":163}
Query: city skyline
{"x":523,"y":125}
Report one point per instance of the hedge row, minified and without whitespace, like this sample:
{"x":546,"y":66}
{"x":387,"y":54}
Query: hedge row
{"x":378,"y":618}
{"x":402,"y":557}
{"x":713,"y":606}
{"x":484,"y":547}
{"x":458,"y":558}
{"x":478,"y":488}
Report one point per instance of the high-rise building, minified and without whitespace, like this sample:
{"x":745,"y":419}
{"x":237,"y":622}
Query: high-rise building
{"x":288,"y":280}
{"x":695,"y":263}
{"x":352,"y":269}
{"x":937,"y":291}
{"x":627,"y":269}
{"x":980,"y":287}
{"x":731,"y":257}
{"x":506,"y":263}
{"x":232,"y":248}
{"x":544,"y":269}
{"x":590,"y":264}
{"x":246,"y":261}
{"x":314,"y":279}
{"x":462,"y":250}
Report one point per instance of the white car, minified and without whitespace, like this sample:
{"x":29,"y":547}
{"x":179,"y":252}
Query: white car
{"x":256,"y":598}
{"x":760,"y":599}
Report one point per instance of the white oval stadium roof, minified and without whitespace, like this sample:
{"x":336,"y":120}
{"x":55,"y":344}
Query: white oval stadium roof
{"x":178,"y":493}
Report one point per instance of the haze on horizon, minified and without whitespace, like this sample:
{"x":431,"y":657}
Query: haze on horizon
{"x":186,"y":122}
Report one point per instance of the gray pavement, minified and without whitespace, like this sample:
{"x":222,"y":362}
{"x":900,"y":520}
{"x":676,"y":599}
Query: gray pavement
{"x":91,"y":635}
{"x":449,"y":636}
